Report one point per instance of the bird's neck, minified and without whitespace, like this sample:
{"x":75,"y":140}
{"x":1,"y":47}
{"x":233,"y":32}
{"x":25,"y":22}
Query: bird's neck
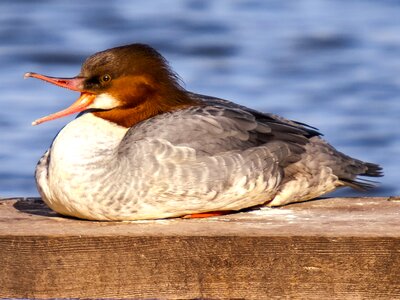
{"x":147,"y":107}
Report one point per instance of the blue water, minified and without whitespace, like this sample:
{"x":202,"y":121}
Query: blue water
{"x":332,"y":64}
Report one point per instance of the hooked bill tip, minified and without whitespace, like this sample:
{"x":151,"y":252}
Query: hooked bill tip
{"x":28,"y":74}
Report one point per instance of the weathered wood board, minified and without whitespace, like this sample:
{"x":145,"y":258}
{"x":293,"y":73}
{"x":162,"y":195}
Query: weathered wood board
{"x":333,"y":248}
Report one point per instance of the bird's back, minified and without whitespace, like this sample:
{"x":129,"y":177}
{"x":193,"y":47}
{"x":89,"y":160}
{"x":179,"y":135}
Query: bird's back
{"x":305,"y":165}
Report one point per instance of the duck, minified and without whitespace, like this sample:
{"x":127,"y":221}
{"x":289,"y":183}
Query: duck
{"x":142,"y":147}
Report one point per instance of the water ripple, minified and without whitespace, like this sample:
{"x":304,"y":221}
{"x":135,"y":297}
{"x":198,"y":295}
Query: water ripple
{"x":313,"y":61}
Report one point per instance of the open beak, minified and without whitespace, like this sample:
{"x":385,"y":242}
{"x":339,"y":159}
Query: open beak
{"x":75,"y":84}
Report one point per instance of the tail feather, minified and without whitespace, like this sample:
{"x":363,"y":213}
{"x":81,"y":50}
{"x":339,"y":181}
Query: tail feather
{"x":371,"y":170}
{"x":360,"y":184}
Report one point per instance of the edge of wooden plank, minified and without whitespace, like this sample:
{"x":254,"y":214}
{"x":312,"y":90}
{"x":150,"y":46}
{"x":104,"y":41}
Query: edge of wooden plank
{"x":370,"y":217}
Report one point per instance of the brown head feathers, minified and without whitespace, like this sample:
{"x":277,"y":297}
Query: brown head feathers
{"x":139,"y":78}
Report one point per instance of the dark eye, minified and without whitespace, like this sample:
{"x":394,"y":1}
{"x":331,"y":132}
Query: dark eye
{"x":105,"y":78}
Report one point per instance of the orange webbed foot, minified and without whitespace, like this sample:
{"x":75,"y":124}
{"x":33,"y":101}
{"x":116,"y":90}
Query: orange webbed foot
{"x":207,"y":214}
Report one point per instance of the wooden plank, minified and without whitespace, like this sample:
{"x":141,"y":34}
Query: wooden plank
{"x":343,"y":248}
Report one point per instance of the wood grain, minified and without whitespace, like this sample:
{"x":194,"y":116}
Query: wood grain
{"x":347,"y":248}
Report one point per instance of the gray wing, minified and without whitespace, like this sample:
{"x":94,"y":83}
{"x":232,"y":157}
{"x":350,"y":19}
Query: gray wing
{"x":226,"y":156}
{"x":217,"y":128}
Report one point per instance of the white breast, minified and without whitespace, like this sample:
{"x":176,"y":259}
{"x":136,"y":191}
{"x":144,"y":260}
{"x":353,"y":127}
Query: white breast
{"x":86,"y":138}
{"x":82,"y":153}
